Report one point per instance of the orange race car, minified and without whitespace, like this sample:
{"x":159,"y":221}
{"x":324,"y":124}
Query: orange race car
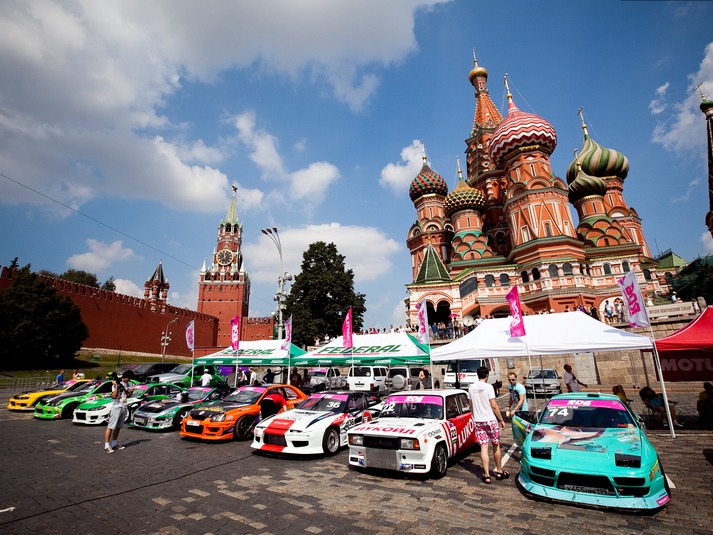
{"x":236,"y":415}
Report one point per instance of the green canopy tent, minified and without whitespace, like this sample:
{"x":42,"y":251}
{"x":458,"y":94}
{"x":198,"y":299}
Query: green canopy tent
{"x":253,"y":353}
{"x":388,"y":349}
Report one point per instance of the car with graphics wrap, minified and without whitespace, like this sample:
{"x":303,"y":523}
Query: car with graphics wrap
{"x":319,"y":425}
{"x":62,"y":406}
{"x":589,"y":448}
{"x":169,"y":413}
{"x":26,"y":401}
{"x":418,"y":434}
{"x":326,"y":379}
{"x":236,"y":415}
{"x":181,"y":375}
{"x":96,"y":412}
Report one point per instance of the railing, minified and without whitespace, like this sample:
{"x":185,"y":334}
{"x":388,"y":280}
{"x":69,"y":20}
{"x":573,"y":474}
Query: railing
{"x":25,"y":383}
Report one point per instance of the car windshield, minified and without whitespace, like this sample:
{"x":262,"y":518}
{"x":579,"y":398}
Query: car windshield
{"x":542,"y":374}
{"x":580,"y":413}
{"x":181,"y":369}
{"x":197,"y":393}
{"x":87,"y":387}
{"x":466,"y":366}
{"x":318,"y":373}
{"x":77,"y":386}
{"x":246,"y":395}
{"x":139,"y":390}
{"x":407,"y":406}
{"x":325,"y":402}
{"x":360,"y":371}
{"x":143,"y":368}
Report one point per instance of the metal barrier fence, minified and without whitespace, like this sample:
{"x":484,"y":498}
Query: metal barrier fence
{"x":25,"y":383}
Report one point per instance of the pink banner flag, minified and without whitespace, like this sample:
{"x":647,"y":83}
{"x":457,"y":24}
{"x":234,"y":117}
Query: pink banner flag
{"x":190,"y":335}
{"x":638,"y":316}
{"x":517,"y":326}
{"x":423,"y":334}
{"x":288,"y":335}
{"x":347,"y":330}
{"x":235,"y":333}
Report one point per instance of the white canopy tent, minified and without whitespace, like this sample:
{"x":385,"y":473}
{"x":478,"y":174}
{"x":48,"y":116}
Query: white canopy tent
{"x":546,"y":334}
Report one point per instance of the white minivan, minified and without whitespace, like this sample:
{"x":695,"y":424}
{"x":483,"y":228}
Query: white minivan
{"x":368,"y":378}
{"x":467,"y":373}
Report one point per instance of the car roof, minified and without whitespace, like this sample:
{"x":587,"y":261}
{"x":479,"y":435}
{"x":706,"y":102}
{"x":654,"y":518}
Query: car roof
{"x":586,"y":395}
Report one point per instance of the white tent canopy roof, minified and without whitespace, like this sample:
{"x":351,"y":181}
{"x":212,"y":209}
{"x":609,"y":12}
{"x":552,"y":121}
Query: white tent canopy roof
{"x":546,"y":334}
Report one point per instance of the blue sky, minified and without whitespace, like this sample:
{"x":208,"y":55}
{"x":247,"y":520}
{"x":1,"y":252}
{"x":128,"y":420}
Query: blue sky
{"x":141,"y":115}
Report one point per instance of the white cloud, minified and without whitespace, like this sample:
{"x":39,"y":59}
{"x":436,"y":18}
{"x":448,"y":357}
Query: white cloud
{"x":689,"y":189}
{"x":398,"y":176}
{"x":127,"y":287}
{"x":658,"y":105}
{"x":707,"y":241}
{"x":100,"y":256}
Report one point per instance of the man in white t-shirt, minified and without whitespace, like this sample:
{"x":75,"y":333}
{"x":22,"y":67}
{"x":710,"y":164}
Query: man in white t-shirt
{"x":486,"y":415}
{"x":206,"y":378}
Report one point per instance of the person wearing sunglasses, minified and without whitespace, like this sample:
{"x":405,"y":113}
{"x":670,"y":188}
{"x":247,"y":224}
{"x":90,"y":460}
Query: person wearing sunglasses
{"x":518,"y":399}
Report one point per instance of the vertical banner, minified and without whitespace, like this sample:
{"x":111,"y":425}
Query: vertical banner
{"x":235,"y":333}
{"x":517,"y":326}
{"x":638,"y":316}
{"x":423,"y":334}
{"x":288,"y":335}
{"x":190,"y":335}
{"x":347,"y":330}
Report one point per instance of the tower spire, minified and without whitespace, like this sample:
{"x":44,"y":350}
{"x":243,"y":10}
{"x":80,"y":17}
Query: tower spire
{"x":232,"y":216}
{"x":584,"y":125}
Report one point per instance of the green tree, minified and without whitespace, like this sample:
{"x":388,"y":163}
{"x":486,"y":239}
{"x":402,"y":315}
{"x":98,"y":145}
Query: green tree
{"x":80,"y":277}
{"x":38,"y":327}
{"x":109,"y":285}
{"x":322,"y":294}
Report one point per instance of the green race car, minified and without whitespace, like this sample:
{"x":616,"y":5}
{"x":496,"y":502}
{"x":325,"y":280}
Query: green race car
{"x":169,"y":413}
{"x":96,"y":412}
{"x":63,"y":405}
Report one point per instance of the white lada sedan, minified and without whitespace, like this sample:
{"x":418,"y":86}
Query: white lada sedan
{"x":415,"y":433}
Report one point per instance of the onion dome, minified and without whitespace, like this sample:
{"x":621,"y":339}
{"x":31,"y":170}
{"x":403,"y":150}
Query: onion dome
{"x":598,"y":161}
{"x":477,"y":71}
{"x":427,"y":181}
{"x":520,"y":129}
{"x":585,"y":185}
{"x":464,"y":197}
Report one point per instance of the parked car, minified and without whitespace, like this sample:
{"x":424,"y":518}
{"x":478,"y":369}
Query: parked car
{"x":96,"y":412}
{"x":401,"y":378}
{"x":415,"y":433}
{"x":169,"y":413}
{"x":367,"y":378}
{"x":63,"y":405}
{"x":26,"y":401}
{"x":589,"y":448}
{"x":144,"y":370}
{"x":181,"y":375}
{"x":235,"y":416}
{"x":467,"y":373}
{"x":327,"y":379}
{"x":543,"y":381}
{"x":318,"y":425}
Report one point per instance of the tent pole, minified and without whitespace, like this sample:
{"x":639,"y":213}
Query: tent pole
{"x":534,"y":389}
{"x":657,"y":363}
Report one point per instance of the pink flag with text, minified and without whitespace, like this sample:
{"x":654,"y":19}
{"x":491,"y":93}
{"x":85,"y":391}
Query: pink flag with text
{"x":347,"y":329}
{"x":635,"y":305}
{"x":423,"y":334}
{"x":288,"y":335}
{"x":190,"y":335}
{"x":517,"y":326}
{"x":235,"y":333}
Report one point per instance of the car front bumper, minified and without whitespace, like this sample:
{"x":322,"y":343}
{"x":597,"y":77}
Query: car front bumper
{"x":411,"y":461}
{"x":90,"y":417}
{"x":207,"y":430}
{"x":48,"y":413}
{"x":289,"y":443}
{"x":152,"y":422}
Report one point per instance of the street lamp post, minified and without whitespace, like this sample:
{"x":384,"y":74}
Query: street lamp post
{"x":281,"y":296}
{"x":166,"y":338}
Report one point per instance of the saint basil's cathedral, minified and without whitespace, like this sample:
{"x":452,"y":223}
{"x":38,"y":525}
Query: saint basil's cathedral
{"x":508,"y":223}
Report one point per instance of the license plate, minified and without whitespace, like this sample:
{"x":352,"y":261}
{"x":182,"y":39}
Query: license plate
{"x":140,"y":421}
{"x":193,"y":423}
{"x":586,"y":490}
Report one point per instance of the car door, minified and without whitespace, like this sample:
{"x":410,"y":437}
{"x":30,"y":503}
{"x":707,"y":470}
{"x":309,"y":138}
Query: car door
{"x":462,"y":422}
{"x":469,"y":434}
{"x":522,"y":425}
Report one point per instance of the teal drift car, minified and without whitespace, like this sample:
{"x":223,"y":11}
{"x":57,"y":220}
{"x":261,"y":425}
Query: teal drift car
{"x":589,"y":448}
{"x":62,"y":405}
{"x":96,"y":412}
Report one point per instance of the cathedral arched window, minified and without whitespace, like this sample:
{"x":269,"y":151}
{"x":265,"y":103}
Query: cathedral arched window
{"x":548,"y":229}
{"x":625,"y":266}
{"x":525,"y":276}
{"x":554,"y":272}
{"x":567,"y":268}
{"x":607,"y":269}
{"x":504,"y":279}
{"x":489,"y":281}
{"x":535,"y":274}
{"x":647,"y":274}
{"x":500,"y":238}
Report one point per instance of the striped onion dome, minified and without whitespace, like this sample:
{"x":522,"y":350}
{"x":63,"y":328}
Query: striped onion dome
{"x":462,"y":198}
{"x":598,"y":161}
{"x":427,"y":181}
{"x":520,"y":129}
{"x":585,"y":185}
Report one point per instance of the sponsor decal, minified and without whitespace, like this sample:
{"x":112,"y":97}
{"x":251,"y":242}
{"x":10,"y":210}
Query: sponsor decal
{"x":654,"y":470}
{"x":599,"y":403}
{"x":402,"y":430}
{"x":663,"y":499}
{"x":432,"y":400}
{"x":466,"y":432}
{"x":587,"y":490}
{"x":362,"y":350}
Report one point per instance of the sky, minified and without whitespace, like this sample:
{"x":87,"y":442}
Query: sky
{"x":124,"y":124}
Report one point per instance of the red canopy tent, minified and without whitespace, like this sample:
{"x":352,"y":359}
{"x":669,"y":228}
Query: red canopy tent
{"x":687,"y":354}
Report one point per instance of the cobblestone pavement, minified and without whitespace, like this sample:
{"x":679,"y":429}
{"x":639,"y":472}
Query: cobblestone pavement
{"x":57,"y":479}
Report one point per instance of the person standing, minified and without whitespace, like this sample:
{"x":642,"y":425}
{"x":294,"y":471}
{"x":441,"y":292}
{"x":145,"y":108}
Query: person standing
{"x":120,"y":390}
{"x":594,"y":312}
{"x":206,"y":378}
{"x":518,"y":398}
{"x":59,"y":378}
{"x":424,"y":379}
{"x":486,"y":415}
{"x":269,"y":377}
{"x":608,"y":311}
{"x":571,"y":381}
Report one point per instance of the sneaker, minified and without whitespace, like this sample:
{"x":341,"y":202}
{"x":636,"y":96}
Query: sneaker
{"x":108,"y":450}
{"x":118,"y":447}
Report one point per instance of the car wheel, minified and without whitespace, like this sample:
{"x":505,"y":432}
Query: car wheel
{"x":179,"y":418}
{"x":244,"y":427}
{"x":68,"y":411}
{"x":439,"y":462}
{"x":331,"y":441}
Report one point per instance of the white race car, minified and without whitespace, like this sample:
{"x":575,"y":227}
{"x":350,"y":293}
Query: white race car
{"x":318,"y":425}
{"x":415,"y":433}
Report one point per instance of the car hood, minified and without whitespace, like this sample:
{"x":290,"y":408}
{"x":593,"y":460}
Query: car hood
{"x":69,"y":395}
{"x":301,"y":420}
{"x":570,"y":445}
{"x":407,"y":427}
{"x":167,"y":377}
{"x":163,"y":405}
{"x":207,"y":411}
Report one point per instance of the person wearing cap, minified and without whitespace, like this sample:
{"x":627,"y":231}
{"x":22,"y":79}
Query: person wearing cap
{"x":120,"y":391}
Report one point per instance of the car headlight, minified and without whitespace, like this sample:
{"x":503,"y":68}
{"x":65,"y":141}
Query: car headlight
{"x":356,"y":440}
{"x":220,"y":417}
{"x":409,"y":444}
